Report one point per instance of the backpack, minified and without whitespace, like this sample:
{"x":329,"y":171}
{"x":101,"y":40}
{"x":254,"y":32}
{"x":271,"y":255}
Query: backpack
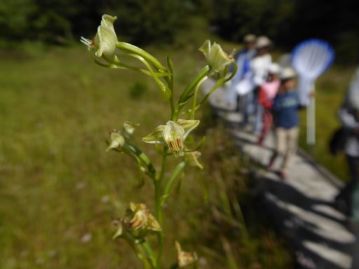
{"x":338,"y":140}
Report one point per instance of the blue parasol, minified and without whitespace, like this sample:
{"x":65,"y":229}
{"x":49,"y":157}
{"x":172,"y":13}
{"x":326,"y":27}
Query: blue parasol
{"x":310,"y":59}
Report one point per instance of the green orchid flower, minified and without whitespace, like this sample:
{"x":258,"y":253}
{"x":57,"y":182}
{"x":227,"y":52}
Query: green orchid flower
{"x":104,"y":43}
{"x":173,"y":134}
{"x":216,"y":58}
{"x":142,"y":218}
{"x":117,"y":140}
{"x":138,"y":222}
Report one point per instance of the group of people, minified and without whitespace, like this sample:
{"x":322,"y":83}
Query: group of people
{"x":266,"y":95}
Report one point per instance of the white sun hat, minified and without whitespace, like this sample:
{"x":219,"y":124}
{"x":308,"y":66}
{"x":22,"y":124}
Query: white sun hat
{"x":249,"y":38}
{"x":274,"y":68}
{"x":263,"y":42}
{"x":287,"y":73}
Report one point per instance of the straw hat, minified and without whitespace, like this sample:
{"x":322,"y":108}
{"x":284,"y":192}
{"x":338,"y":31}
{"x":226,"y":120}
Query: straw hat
{"x":263,"y":42}
{"x":249,"y":38}
{"x":287,"y":73}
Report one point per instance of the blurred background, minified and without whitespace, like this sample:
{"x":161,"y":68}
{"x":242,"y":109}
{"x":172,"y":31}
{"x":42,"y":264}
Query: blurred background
{"x":60,"y":190}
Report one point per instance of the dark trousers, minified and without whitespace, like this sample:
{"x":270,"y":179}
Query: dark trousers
{"x":346,"y":194}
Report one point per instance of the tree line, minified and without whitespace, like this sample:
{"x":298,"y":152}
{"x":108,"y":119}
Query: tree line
{"x":147,"y":21}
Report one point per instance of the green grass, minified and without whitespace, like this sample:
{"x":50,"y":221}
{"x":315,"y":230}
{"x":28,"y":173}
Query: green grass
{"x":60,"y":190}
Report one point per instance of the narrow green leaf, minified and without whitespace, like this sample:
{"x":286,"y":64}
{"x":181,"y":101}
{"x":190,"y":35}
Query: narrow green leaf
{"x":172,"y":181}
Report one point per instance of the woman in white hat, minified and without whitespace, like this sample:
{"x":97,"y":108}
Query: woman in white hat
{"x":349,"y":117}
{"x":259,"y":70}
{"x":243,"y":59}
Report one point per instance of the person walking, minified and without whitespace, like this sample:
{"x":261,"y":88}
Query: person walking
{"x":259,"y":69}
{"x":244,"y":56}
{"x":349,"y":118}
{"x":285,"y":110}
{"x":243,"y":59}
{"x":266,"y":95}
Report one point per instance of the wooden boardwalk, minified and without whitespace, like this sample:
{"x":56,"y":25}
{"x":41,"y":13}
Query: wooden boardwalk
{"x":300,"y":207}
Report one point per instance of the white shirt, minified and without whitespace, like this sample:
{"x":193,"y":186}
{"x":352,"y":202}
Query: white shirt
{"x":259,"y":68}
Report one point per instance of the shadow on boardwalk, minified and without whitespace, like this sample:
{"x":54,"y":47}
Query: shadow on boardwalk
{"x":299,"y":208}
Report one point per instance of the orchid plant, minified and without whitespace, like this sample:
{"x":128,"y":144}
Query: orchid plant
{"x":142,"y":227}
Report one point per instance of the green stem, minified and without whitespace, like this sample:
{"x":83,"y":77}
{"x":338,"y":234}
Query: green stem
{"x":171,"y":182}
{"x":139,"y":251}
{"x":195,"y":97}
{"x":219,"y":83}
{"x":158,"y":205}
{"x":127,"y":47}
{"x":170,"y":83}
{"x":189,"y":91}
{"x":149,"y":254}
{"x":154,"y":75}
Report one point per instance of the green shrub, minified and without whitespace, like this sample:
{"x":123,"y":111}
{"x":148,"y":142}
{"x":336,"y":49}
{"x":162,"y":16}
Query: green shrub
{"x":14,"y":17}
{"x":146,"y":21}
{"x":235,"y":18}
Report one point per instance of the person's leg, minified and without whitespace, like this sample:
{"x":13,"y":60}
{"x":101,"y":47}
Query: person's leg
{"x":255,"y":108}
{"x":291,"y":139}
{"x":279,"y":146}
{"x":258,"y":119}
{"x":239,"y":102}
{"x":245,"y":107}
{"x":266,"y":125}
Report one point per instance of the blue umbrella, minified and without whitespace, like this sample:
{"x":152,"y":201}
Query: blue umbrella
{"x":310,"y":59}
